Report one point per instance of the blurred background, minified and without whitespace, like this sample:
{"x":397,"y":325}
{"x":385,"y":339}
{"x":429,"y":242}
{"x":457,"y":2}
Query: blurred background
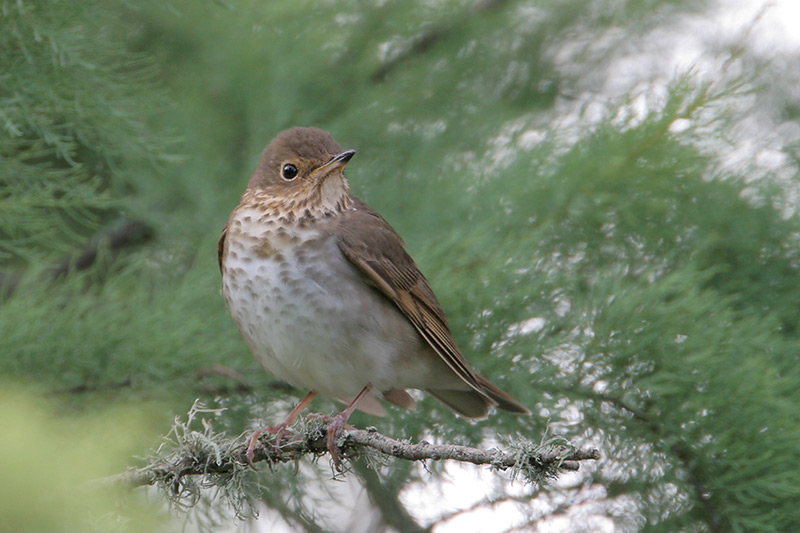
{"x":602,"y":193}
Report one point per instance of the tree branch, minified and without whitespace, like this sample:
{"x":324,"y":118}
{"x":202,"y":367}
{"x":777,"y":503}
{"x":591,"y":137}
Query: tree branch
{"x":386,"y":497}
{"x":129,"y":233}
{"x":422,"y":42}
{"x":211,"y":454}
{"x":684,"y":455}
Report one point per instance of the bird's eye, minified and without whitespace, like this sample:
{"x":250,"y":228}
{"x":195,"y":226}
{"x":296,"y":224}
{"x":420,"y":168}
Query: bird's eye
{"x":289,"y":172}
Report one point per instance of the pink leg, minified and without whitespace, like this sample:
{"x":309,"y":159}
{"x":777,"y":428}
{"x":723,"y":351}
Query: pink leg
{"x":336,"y":426}
{"x":280,"y":430}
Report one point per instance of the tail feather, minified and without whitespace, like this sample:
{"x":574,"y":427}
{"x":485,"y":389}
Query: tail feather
{"x":474,"y":404}
{"x":401,"y":398}
{"x":468,"y":403}
{"x":504,"y":400}
{"x":368,"y":404}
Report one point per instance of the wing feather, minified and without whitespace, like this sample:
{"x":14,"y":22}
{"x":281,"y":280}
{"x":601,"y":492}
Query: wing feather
{"x":221,"y":246}
{"x":372,"y":245}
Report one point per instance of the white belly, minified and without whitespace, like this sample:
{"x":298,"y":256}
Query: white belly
{"x":313,"y":323}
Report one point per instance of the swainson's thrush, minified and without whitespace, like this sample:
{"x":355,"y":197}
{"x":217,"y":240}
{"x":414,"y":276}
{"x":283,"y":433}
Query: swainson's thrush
{"x":326,"y":296}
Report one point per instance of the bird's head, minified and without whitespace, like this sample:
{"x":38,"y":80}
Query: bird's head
{"x":304,"y":168}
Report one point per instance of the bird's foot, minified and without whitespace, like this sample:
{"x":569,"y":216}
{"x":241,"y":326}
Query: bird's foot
{"x":280,"y":432}
{"x":336,"y":424}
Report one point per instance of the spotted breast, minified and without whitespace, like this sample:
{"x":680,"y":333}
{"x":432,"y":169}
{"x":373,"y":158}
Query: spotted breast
{"x":308,"y":316}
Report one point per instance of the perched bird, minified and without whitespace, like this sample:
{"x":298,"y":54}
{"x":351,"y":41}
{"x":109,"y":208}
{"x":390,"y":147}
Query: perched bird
{"x":326,"y":296}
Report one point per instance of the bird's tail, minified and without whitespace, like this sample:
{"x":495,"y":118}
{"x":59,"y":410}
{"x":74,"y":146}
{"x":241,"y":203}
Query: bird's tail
{"x":504,"y":400}
{"x":474,"y":404}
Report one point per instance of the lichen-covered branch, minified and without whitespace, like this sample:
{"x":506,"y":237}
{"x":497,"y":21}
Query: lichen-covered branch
{"x":206,"y":453}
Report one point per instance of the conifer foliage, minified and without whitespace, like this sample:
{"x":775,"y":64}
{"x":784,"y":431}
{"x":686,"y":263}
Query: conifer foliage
{"x":73,"y":107}
{"x":605,"y":242}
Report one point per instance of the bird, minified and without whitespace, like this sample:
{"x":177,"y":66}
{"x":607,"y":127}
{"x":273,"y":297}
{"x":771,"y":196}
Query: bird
{"x":326,"y":296}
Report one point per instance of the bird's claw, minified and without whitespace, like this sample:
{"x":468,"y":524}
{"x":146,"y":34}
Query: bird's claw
{"x":280,"y":431}
{"x":251,"y":447}
{"x":335,"y":428}
{"x":336,"y":424}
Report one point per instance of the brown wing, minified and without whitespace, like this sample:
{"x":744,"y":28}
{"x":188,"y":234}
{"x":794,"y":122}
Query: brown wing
{"x":221,"y":246}
{"x":372,"y":245}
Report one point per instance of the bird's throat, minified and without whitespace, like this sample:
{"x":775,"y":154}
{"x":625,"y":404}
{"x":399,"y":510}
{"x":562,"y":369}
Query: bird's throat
{"x":325,"y":199}
{"x":332,"y":194}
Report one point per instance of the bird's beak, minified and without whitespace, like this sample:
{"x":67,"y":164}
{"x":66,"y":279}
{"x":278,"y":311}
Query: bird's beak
{"x":337,"y":161}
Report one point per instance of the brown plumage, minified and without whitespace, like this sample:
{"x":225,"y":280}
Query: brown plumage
{"x":375,"y":248}
{"x":325,"y":294}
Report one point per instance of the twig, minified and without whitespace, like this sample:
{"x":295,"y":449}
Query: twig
{"x":544,"y":461}
{"x":425,"y":40}
{"x":131,"y":233}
